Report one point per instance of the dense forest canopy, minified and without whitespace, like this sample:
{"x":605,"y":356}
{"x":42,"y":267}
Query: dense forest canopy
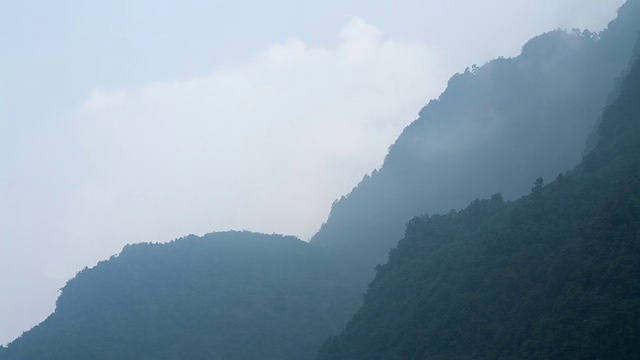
{"x":235,"y":295}
{"x":553,"y":275}
{"x":492,"y":130}
{"x":461,"y":284}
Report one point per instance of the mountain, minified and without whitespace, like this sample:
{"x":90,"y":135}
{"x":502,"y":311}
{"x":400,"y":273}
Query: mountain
{"x":249,"y":296}
{"x":234,"y":295}
{"x":494,"y":129}
{"x":553,"y":275}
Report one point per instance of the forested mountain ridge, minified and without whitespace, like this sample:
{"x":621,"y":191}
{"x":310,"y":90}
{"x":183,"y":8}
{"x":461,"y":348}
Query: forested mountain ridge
{"x":235,"y":295}
{"x":553,"y":275}
{"x":248,"y":296}
{"x":540,"y":105}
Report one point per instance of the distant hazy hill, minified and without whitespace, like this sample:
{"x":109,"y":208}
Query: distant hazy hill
{"x":234,"y":295}
{"x":247,"y":296}
{"x":495,"y":128}
{"x":554,"y":275}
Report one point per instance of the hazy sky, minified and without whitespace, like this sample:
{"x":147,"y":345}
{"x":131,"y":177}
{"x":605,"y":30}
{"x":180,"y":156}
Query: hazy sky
{"x":131,"y":121}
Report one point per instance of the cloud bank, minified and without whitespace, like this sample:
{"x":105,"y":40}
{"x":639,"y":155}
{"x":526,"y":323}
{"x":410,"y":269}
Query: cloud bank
{"x":158,"y":161}
{"x":264,"y":146}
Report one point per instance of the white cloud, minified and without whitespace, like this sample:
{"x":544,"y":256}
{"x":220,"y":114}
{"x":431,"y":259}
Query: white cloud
{"x":170,"y":158}
{"x":265,"y":146}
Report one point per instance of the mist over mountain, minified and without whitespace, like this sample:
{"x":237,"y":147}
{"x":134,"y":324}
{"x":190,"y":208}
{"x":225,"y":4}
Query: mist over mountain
{"x":554,"y":275}
{"x":494,"y":129}
{"x":235,"y":295}
{"x":240,"y":295}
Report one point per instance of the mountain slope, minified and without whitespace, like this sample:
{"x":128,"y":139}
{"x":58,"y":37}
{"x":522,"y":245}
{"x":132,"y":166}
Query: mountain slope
{"x":234,"y":295}
{"x":247,"y":296}
{"x":494,"y":129}
{"x":553,"y":275}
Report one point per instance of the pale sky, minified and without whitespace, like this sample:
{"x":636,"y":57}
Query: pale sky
{"x":131,"y":121}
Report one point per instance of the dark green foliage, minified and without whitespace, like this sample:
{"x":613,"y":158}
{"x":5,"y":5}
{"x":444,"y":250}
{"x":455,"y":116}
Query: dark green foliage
{"x":234,"y":295}
{"x":494,"y":129}
{"x":494,"y":280}
{"x":553,"y":275}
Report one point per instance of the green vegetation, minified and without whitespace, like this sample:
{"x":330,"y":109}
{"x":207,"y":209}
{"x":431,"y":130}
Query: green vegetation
{"x":494,"y":129}
{"x":235,"y":295}
{"x":554,"y":275}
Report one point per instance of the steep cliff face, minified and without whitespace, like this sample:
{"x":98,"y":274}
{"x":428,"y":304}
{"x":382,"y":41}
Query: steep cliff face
{"x":496,"y":128}
{"x":553,"y":275}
